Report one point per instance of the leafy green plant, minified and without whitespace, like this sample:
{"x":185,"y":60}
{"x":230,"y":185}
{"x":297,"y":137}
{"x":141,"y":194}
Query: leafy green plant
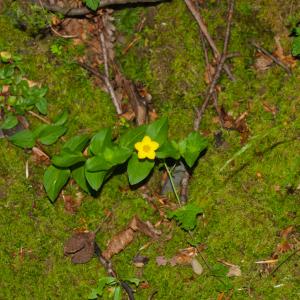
{"x":20,"y":96}
{"x":296,"y":41}
{"x":113,"y":283}
{"x":186,"y":216}
{"x":91,"y":161}
{"x":92,"y":4}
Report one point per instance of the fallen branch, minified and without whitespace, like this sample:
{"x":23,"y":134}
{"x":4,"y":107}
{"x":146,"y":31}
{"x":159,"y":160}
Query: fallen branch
{"x":220,"y":66}
{"x":106,"y":71}
{"x":76,"y":12}
{"x":276,"y":60}
{"x":193,"y":9}
{"x":110,"y":271}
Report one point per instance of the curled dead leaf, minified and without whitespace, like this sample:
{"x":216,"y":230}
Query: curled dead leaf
{"x":234,"y":270}
{"x":80,"y":247}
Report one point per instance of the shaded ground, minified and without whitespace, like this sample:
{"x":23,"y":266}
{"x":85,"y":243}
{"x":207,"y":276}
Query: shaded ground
{"x":245,"y":206}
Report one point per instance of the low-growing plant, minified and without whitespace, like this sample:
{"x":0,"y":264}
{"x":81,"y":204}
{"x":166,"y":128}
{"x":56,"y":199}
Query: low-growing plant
{"x":18,"y":96}
{"x":115,"y":287}
{"x":91,"y":161}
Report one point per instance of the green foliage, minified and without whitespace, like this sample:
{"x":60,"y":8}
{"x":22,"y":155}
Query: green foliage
{"x":54,"y":180}
{"x":296,"y":42}
{"x":116,"y":292}
{"x":104,"y":154}
{"x":21,"y":97}
{"x":92,"y":4}
{"x":186,"y":216}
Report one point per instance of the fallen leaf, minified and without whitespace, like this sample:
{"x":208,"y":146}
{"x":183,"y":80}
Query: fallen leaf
{"x":80,"y":247}
{"x":284,"y":247}
{"x":120,"y":241}
{"x":183,"y":257}
{"x":72,"y":203}
{"x":285,"y":233}
{"x":197,"y":267}
{"x":161,"y":260}
{"x":289,"y":60}
{"x":234,"y":270}
{"x":270,"y":108}
{"x":262,"y":62}
{"x":39,"y":156}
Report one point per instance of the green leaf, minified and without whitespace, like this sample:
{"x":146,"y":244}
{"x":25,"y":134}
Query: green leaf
{"x":101,"y":140}
{"x":42,"y":106}
{"x":97,"y":163}
{"x":296,"y":46}
{"x":138,"y":170}
{"x":117,"y":155}
{"x":117,"y":293}
{"x":132,"y":136}
{"x":54,"y":181}
{"x":98,"y":291}
{"x":9,"y":122}
{"x":76,"y":143}
{"x":62,"y":118}
{"x":67,"y":158}
{"x":95,"y":179}
{"x":186,"y":216}
{"x":49,"y":134}
{"x":78,"y":175}
{"x":135,"y":281}
{"x":92,"y":4}
{"x":168,"y":150}
{"x":23,"y":139}
{"x":191,"y":147}
{"x":158,"y":130}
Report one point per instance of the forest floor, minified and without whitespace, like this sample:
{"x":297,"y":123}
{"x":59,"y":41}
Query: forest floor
{"x":250,"y":205}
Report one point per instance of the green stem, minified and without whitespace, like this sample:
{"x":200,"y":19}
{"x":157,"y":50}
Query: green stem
{"x":172,"y":183}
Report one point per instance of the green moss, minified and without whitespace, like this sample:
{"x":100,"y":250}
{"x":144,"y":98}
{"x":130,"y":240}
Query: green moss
{"x":243,"y":212}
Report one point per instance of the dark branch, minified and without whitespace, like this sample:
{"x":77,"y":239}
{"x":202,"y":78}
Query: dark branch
{"x":76,"y":12}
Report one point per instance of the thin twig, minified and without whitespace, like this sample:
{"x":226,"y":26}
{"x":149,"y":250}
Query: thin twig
{"x":75,"y":12}
{"x":106,"y":71}
{"x":110,"y":271}
{"x":284,"y":261}
{"x":275,"y":59}
{"x":203,"y":28}
{"x":39,"y":117}
{"x":220,"y":66}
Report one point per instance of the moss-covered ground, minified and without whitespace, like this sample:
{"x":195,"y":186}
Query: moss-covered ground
{"x":245,"y":205}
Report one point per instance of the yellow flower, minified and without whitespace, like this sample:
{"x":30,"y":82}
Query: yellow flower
{"x":146,"y":148}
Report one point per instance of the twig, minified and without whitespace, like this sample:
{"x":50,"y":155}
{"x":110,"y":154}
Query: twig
{"x":203,"y":28}
{"x":220,"y":66}
{"x":106,"y":71}
{"x":110,"y":271}
{"x":75,"y":12}
{"x":91,"y":70}
{"x":39,"y":117}
{"x":276,"y":60}
{"x":284,"y":261}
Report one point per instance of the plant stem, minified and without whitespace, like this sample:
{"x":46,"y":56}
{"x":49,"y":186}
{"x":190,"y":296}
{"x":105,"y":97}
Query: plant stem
{"x":172,"y":183}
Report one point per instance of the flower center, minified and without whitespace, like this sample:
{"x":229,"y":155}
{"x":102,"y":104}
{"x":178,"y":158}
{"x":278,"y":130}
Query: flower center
{"x":146,"y":148}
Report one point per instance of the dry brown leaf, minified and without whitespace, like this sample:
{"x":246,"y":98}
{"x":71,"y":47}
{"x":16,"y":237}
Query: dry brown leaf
{"x":234,"y":270}
{"x":289,"y":60}
{"x":284,"y":247}
{"x":140,"y":261}
{"x":262,"y":62}
{"x":161,"y":260}
{"x":183,"y":257}
{"x":80,"y":247}
{"x":39,"y":156}
{"x":128,"y":115}
{"x":285,"y":233}
{"x":72,"y":203}
{"x":120,"y":241}
{"x":270,"y":108}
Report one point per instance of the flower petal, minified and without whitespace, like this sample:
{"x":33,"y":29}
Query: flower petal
{"x":154,"y":145}
{"x":138,"y":146}
{"x":142,"y":155}
{"x":146,"y":139}
{"x":151,"y":155}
